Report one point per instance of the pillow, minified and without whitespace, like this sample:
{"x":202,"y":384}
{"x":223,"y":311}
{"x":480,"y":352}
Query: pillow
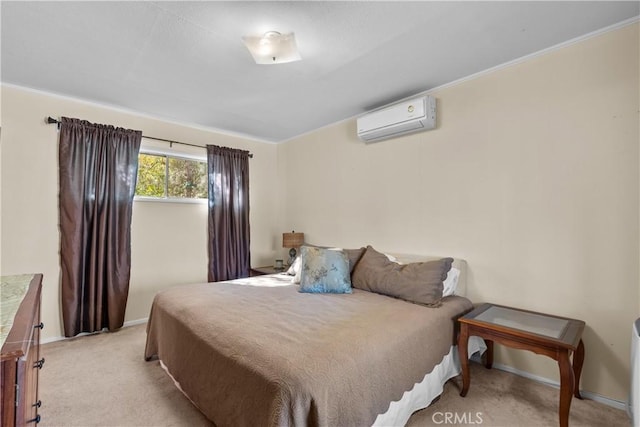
{"x":295,"y":267}
{"x":298,"y":273}
{"x":298,"y":276}
{"x":419,"y":282}
{"x":353,"y":255}
{"x":450,"y":284}
{"x":324,"y":271}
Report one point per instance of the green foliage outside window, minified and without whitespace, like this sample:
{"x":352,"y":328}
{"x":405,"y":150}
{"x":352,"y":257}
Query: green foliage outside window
{"x":162,"y":176}
{"x":187,"y":178}
{"x":151,"y":173}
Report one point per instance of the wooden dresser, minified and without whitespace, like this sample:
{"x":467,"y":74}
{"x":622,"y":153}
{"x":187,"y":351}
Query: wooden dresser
{"x":20,"y":355}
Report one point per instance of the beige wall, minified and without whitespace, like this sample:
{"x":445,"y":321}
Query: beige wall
{"x":531,"y":175}
{"x":168,"y":239}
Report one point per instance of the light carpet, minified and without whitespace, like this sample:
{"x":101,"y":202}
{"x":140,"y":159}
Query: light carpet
{"x":103,"y":380}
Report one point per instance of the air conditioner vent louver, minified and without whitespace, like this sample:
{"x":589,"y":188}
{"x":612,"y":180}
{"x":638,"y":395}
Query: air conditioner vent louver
{"x":410,"y":116}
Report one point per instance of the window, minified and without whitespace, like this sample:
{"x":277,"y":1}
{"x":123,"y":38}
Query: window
{"x":171,"y":178}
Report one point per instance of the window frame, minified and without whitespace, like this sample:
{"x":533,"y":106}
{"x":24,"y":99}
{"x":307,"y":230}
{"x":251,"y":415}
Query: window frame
{"x":167,"y":154}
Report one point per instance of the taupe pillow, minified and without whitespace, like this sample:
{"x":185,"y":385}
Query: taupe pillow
{"x":419,"y":282}
{"x":354,"y":256}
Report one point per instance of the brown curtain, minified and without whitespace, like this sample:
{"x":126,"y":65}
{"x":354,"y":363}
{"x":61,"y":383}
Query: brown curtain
{"x":98,"y":167}
{"x":229,"y":256}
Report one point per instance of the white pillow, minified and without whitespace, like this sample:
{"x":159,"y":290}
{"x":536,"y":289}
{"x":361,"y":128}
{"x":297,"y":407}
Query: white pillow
{"x":392,"y":258}
{"x":451,"y":282}
{"x":295,"y":267}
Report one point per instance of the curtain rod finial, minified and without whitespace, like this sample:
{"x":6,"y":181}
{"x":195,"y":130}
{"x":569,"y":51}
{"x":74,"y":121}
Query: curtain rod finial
{"x":50,"y":120}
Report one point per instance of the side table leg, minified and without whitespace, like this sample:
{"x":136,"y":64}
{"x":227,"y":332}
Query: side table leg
{"x":463,"y":352}
{"x":488,"y":361}
{"x":566,"y":387}
{"x":578,"y":360}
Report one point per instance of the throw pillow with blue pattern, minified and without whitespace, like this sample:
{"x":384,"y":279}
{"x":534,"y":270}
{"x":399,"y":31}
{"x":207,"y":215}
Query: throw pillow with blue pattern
{"x":324,"y":271}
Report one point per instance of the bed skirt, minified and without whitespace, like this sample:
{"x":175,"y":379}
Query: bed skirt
{"x":429,"y":388}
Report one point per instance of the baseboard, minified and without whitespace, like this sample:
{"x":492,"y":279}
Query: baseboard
{"x":135,"y":322}
{"x":555,"y":384}
{"x":125,"y":325}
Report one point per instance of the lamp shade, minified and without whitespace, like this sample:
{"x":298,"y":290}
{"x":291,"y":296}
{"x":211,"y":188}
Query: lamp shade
{"x":272,"y":48}
{"x":292,"y":240}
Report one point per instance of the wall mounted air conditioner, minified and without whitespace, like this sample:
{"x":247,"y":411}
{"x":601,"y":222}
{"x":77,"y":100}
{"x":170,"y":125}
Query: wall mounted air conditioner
{"x":414,"y":115}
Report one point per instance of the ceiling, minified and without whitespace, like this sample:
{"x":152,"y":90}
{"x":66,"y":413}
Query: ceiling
{"x":186,"y":62}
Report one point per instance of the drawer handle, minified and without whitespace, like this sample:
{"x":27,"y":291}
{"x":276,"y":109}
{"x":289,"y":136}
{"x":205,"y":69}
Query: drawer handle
{"x":39,"y":363}
{"x":37,"y":404}
{"x":39,"y":326}
{"x":35,"y":420}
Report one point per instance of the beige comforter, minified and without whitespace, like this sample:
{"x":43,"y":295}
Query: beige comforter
{"x":269,"y":355}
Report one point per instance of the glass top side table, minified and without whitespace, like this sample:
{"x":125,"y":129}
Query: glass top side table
{"x":552,"y":336}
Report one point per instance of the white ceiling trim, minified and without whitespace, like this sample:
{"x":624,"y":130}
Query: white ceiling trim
{"x":494,"y":69}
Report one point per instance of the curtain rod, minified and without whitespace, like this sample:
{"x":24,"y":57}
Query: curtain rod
{"x":51,"y":120}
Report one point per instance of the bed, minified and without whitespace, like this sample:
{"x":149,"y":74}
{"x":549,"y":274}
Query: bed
{"x":256,"y":351}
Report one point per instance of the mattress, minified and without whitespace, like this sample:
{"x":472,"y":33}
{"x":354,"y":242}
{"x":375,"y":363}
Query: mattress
{"x":257,"y":352}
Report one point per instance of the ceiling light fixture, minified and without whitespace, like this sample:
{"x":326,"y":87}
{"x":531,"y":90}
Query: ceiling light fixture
{"x":272,"y":48}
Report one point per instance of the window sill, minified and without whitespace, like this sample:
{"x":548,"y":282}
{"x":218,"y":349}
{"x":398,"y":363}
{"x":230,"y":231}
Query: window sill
{"x":170,"y":200}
